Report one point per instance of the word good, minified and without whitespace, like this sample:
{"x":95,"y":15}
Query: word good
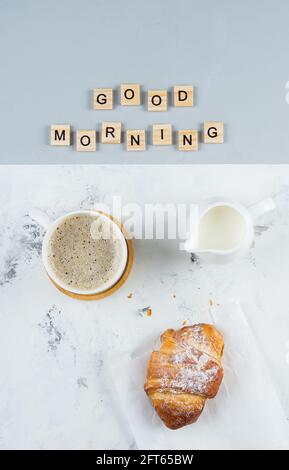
{"x":130,"y":95}
{"x":162,"y":134}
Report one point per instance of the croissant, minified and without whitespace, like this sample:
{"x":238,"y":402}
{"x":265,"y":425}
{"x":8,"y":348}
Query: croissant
{"x":184,"y":373}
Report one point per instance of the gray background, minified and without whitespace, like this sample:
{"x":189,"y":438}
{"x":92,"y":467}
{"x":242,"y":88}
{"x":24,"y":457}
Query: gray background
{"x":53,"y":53}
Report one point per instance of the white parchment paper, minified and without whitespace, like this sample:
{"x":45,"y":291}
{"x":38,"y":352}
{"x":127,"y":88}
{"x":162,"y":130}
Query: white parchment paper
{"x":246,"y":413}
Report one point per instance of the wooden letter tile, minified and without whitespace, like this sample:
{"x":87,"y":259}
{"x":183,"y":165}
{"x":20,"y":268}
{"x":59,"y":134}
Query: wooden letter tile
{"x":103,"y":98}
{"x":162,"y":134}
{"x":60,"y":134}
{"x":188,"y":140}
{"x":157,"y":100}
{"x":183,"y":95}
{"x":135,"y":140}
{"x":111,"y":133}
{"x":213,"y":132}
{"x":85,"y":141}
{"x":130,"y":95}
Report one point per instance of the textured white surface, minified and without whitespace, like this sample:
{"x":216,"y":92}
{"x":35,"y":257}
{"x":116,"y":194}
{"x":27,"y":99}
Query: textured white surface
{"x":53,"y":349}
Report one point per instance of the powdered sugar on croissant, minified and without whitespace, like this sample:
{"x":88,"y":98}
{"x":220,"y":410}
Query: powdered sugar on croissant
{"x":184,"y":373}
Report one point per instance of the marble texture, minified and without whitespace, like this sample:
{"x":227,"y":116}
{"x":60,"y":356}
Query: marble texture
{"x":53,"y":349}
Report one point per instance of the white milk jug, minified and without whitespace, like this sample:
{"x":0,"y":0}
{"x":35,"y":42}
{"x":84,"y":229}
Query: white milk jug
{"x":223,"y":230}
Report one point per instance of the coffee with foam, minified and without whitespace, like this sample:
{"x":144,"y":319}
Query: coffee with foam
{"x":84,"y":252}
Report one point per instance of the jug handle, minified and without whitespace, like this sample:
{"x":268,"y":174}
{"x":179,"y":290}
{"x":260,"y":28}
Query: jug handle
{"x":40,"y":217}
{"x":256,"y":210}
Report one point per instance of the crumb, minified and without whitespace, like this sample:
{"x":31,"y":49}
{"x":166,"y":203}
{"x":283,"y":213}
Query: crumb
{"x":174,"y":296}
{"x":210,"y":302}
{"x":145,"y":311}
{"x":184,"y":323}
{"x":129,"y":296}
{"x":194,"y":258}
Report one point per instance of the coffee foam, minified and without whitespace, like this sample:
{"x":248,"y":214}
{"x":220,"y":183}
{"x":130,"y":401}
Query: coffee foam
{"x":78,"y":258}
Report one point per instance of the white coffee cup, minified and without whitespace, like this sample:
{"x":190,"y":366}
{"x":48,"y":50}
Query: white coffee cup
{"x":50,"y":226}
{"x":241,"y":225}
